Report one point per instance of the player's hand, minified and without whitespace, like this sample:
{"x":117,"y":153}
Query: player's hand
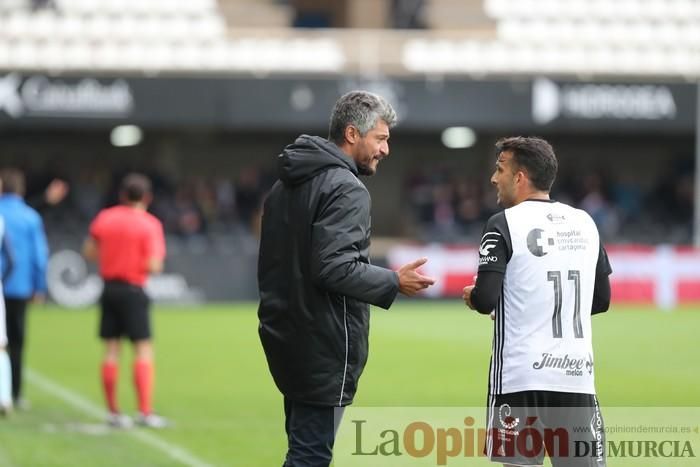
{"x":467,"y":296}
{"x":56,"y":191}
{"x":411,"y":281}
{"x":38,"y":298}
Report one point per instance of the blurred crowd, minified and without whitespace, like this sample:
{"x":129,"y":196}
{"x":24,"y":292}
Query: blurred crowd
{"x":449,"y":207}
{"x":191,"y":207}
{"x":443,"y":205}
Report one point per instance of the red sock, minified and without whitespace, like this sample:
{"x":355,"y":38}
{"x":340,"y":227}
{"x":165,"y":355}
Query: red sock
{"x":110,"y":373}
{"x":143,"y":380}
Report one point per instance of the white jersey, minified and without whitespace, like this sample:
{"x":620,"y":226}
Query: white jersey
{"x":549,"y":253}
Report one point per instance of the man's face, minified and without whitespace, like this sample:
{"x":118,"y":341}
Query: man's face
{"x":372,"y":148}
{"x":504,"y":179}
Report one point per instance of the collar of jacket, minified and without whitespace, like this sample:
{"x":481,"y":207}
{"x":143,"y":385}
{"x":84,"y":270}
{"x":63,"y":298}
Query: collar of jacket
{"x":308,"y":156}
{"x":11,"y":197}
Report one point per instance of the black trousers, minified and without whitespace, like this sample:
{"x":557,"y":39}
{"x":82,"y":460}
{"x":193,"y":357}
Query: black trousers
{"x":16,"y":318}
{"x":310,"y":433}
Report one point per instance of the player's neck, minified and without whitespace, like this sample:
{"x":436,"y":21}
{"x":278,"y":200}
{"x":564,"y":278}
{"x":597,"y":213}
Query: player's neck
{"x":137,"y":205}
{"x":536,"y":195}
{"x":540,"y":195}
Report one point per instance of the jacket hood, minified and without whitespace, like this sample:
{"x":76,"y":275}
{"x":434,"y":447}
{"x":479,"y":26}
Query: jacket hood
{"x":308,"y":156}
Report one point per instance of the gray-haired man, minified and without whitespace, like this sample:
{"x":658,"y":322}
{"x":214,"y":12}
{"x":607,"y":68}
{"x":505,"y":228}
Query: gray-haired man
{"x":314,"y":275}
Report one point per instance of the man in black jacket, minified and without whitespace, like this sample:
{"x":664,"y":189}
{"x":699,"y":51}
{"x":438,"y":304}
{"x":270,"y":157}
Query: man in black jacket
{"x":314,"y":275}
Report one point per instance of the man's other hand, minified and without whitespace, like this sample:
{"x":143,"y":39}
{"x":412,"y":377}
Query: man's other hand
{"x":467,"y":296}
{"x":411,"y":281}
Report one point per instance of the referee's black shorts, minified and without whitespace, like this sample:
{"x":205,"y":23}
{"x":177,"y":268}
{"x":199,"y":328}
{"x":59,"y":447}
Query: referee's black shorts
{"x":125,"y":312}
{"x":523,"y":427}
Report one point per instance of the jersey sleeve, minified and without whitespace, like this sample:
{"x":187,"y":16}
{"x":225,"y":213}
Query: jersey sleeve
{"x":601,"y":288}
{"x":603,"y":267}
{"x":155,"y":242}
{"x":495,"y":248}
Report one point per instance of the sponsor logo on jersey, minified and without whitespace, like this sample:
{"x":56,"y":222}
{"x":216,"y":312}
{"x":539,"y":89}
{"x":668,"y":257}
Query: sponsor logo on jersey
{"x":569,"y":366}
{"x":488,"y":243}
{"x":556,"y":218}
{"x":539,"y":243}
{"x":571,"y":240}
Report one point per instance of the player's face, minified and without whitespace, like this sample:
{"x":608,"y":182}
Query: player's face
{"x":372,"y":148}
{"x":503,"y":179}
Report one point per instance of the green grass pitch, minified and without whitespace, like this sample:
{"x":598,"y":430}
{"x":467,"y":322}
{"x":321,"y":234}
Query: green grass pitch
{"x":213,"y":383}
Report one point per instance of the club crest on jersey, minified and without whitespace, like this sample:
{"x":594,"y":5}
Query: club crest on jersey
{"x":507,"y":420}
{"x":539,"y":243}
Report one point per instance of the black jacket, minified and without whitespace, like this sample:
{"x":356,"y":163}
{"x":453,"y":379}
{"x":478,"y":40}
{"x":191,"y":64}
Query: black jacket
{"x":314,"y":275}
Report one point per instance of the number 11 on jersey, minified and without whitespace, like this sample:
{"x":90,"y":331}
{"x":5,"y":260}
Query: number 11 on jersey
{"x":575,"y":277}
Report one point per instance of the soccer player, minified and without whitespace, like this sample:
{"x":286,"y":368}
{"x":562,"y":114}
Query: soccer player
{"x":128,"y":244}
{"x":25,"y":232}
{"x":314,"y":274}
{"x":544,"y":271}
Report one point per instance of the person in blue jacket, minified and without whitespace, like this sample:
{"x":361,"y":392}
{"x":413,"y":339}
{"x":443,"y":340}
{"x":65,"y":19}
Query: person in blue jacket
{"x":5,"y":372}
{"x":27,"y":281}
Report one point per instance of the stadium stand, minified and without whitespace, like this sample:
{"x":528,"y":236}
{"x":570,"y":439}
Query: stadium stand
{"x":630,"y":37}
{"x":252,"y":13}
{"x":152,"y":36}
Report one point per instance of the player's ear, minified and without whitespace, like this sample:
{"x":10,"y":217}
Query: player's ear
{"x":521,"y":176}
{"x":518,"y":176}
{"x":351,"y":134}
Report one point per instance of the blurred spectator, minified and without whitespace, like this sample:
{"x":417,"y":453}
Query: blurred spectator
{"x":55,"y":192}
{"x":314,"y":14}
{"x":595,"y":202}
{"x":469,"y":206}
{"x":443,"y":211}
{"x":408,"y":14}
{"x":189,"y":221}
{"x":249,"y":192}
{"x":88,"y":193}
{"x":225,"y":200}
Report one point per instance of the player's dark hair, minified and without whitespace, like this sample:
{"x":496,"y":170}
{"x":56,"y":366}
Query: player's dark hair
{"x":12,"y":181}
{"x":535,"y":156}
{"x":135,"y":187}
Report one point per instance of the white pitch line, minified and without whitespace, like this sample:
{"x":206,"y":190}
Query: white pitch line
{"x":75,"y":400}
